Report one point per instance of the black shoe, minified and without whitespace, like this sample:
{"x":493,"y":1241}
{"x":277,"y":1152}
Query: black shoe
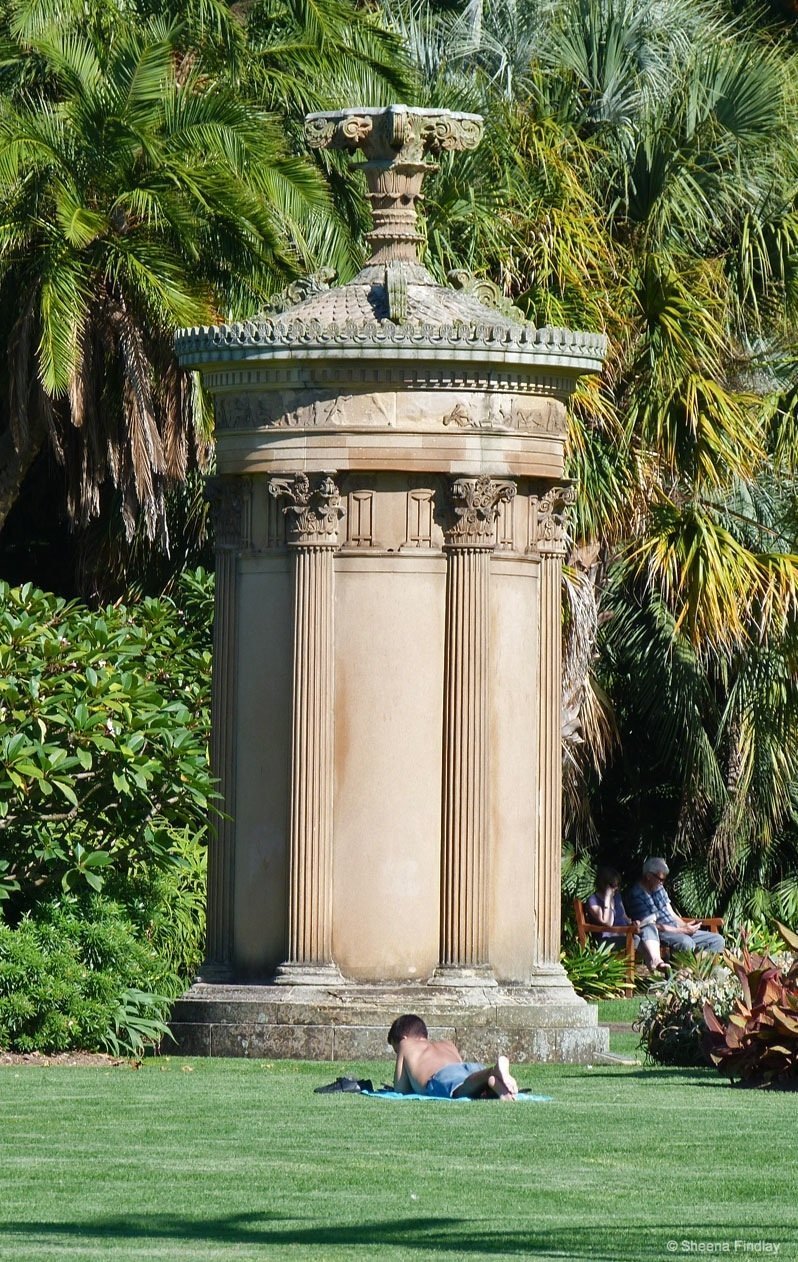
{"x":341,"y":1084}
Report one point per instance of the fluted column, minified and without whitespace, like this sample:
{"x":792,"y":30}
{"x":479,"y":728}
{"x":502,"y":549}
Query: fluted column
{"x":469,"y":542}
{"x":550,"y":544}
{"x":229,"y":500}
{"x":313,"y":513}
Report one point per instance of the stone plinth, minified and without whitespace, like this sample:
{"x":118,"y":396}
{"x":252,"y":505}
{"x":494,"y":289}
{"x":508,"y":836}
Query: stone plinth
{"x":390,"y":527}
{"x":310,"y":1023}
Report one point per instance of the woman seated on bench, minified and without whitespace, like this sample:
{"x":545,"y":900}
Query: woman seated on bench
{"x":605,"y":907}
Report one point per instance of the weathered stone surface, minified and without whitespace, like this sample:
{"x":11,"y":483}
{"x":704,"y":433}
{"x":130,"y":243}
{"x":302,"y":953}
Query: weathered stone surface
{"x":283,"y":1042}
{"x":386,"y":717}
{"x":483,"y":1024}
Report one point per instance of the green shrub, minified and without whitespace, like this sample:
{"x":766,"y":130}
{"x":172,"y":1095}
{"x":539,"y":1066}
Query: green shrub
{"x":167,"y":904}
{"x":671,"y":1021}
{"x":104,"y":720}
{"x":81,"y":978}
{"x":596,"y":972}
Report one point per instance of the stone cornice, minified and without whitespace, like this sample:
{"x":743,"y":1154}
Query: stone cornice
{"x":252,"y":339}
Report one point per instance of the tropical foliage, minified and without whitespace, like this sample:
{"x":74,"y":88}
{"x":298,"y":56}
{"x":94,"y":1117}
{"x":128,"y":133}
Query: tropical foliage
{"x":146,"y":182}
{"x":756,"y":1042}
{"x":639,"y":175}
{"x":671,"y":1018}
{"x":596,"y":972}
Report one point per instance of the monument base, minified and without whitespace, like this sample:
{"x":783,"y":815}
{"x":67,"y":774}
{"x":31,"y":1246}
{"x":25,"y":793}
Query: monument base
{"x":545,"y":1021}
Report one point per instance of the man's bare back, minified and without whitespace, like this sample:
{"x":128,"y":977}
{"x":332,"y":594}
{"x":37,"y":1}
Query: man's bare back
{"x":426,"y":1066}
{"x":418,"y":1059}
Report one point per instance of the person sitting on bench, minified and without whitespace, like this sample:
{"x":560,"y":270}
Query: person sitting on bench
{"x":649,"y":898}
{"x":605,"y":907}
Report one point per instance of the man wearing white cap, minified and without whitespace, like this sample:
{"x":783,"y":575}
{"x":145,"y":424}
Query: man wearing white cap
{"x":648,"y":902}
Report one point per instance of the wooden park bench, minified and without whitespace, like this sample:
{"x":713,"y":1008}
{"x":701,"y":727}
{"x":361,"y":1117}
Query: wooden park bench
{"x":585,"y":926}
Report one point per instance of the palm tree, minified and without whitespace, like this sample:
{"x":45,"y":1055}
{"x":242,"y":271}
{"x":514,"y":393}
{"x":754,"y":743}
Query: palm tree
{"x":648,"y":186}
{"x":136,"y":194}
{"x":147,"y":181}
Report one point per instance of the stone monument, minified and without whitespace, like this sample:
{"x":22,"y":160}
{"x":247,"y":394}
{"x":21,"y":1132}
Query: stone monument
{"x":387,"y":656}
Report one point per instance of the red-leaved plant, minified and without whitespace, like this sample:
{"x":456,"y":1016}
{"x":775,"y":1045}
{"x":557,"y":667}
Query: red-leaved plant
{"x":758,"y":1045}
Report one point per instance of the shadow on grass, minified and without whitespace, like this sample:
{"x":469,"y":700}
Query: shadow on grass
{"x":689,"y":1075}
{"x":444,"y":1235}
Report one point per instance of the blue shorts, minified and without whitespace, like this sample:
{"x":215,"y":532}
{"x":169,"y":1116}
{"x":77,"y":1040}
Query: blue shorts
{"x":446,"y":1081}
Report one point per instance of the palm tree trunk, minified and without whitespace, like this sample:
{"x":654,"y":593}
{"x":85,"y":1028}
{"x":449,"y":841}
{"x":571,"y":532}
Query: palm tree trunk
{"x":14,"y":465}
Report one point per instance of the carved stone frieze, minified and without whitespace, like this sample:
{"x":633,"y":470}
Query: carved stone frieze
{"x":493,"y":412}
{"x":313,"y":511}
{"x":309,"y":409}
{"x":475,"y":505}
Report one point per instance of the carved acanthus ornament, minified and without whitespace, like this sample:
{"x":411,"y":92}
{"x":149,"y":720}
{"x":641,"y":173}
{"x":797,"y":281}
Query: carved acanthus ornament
{"x":549,"y":532}
{"x":313,"y":511}
{"x":475,"y":502}
{"x":484,"y":290}
{"x":228,"y":500}
{"x":395,"y":141}
{"x":297,"y":291}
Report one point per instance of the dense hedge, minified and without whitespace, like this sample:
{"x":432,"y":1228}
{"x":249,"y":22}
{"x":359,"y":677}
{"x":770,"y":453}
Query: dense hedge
{"x":80,"y":977}
{"x":105,"y":799}
{"x":104,"y":722}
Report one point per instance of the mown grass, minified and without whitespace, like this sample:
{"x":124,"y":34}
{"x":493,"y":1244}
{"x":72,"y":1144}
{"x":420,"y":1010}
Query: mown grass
{"x":619,"y":1010}
{"x":200,"y":1160}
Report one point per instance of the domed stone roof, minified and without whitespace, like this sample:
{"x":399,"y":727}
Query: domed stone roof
{"x":394,"y":305}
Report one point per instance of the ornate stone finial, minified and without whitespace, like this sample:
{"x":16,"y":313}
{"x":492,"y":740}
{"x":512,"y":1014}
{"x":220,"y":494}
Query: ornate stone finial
{"x":313,"y":511}
{"x":395,"y":141}
{"x":475,"y":517}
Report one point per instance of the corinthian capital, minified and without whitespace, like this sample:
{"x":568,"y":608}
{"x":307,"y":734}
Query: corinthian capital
{"x":227,"y":498}
{"x":394,"y":132}
{"x":313,"y":511}
{"x":475,"y":502}
{"x":551,"y":508}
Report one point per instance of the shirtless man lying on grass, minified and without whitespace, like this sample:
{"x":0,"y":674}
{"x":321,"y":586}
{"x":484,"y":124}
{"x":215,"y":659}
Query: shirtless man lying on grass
{"x":426,"y":1066}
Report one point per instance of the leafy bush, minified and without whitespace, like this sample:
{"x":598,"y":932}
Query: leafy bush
{"x":671,"y":1020}
{"x":596,"y":972}
{"x":167,"y":905}
{"x":757,"y":1042}
{"x":104,"y":719}
{"x":81,"y":977}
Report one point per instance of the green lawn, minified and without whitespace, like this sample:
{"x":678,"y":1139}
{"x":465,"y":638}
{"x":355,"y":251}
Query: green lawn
{"x":625,"y":1010}
{"x":201,"y":1160}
